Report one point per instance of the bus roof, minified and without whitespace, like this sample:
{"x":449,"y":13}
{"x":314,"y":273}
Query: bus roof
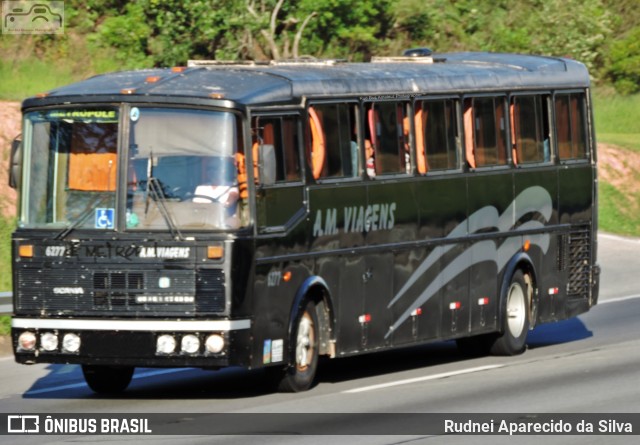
{"x":290,"y":82}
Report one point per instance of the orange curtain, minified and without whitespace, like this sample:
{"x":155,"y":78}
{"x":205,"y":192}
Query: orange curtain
{"x":468,"y":133}
{"x":94,"y":172}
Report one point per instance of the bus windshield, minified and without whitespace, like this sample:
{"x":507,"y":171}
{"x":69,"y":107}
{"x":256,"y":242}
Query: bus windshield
{"x":181,"y":170}
{"x":70,"y":168}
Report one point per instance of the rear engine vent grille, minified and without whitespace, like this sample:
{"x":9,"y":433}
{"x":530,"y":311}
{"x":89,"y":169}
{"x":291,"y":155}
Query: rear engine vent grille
{"x":579,"y":260}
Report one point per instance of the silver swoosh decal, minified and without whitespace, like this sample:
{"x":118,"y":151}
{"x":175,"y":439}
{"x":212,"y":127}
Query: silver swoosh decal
{"x":533,"y":199}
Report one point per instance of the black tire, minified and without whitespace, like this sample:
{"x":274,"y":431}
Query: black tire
{"x":299,"y":374}
{"x":515,"y":319}
{"x":107,"y":379}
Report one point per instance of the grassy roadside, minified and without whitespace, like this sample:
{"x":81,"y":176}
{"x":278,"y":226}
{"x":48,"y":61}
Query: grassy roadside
{"x":615,"y":218}
{"x":629,"y":141}
{"x":28,"y":67}
{"x":29,"y":78}
{"x":6,"y":227}
{"x":617,"y":120}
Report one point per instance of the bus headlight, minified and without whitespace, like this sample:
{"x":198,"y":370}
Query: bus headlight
{"x":190,"y":344}
{"x":70,"y":343}
{"x":165,"y":344}
{"x":214,"y":343}
{"x":27,"y":341}
{"x":49,"y":341}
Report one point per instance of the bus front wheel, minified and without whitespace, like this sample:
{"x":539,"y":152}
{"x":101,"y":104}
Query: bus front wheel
{"x":300,"y":373}
{"x":107,"y":379}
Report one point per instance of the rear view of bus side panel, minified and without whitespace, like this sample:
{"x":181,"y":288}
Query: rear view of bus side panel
{"x":576,"y":198}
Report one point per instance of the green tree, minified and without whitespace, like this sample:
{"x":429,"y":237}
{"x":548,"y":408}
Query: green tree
{"x":124,"y":34}
{"x":189,"y":29}
{"x":128,"y":33}
{"x":275,"y":30}
{"x":575,"y":28}
{"x":346,"y":29}
{"x":624,"y":63}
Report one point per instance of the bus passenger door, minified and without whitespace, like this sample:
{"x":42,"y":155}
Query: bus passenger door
{"x":280,"y":192}
{"x":280,"y":211}
{"x":336,"y":234}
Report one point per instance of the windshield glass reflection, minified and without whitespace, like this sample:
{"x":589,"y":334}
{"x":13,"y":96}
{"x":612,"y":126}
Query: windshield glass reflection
{"x":183,"y":171}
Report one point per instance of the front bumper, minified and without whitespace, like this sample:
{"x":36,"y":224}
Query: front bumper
{"x":132,"y":342}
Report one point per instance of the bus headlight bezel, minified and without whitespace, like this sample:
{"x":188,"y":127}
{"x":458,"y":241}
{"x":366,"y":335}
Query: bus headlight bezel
{"x":27,"y":342}
{"x":215,"y":344}
{"x":71,"y":343}
{"x":166,"y":344}
{"x":190,"y":344}
{"x":49,"y":341}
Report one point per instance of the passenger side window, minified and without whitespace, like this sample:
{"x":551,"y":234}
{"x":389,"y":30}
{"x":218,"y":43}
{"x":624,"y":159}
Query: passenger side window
{"x":530,"y":128}
{"x":485,"y":131}
{"x":387,"y":133}
{"x":436,"y":135}
{"x":571,"y":126}
{"x":332,"y":141}
{"x":282,"y":134}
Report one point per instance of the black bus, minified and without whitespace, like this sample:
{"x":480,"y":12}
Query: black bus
{"x":265,"y":214}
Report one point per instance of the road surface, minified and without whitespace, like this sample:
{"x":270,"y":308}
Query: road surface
{"x":587,"y":364}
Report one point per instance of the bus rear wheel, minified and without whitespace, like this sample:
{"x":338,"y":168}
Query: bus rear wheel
{"x":515,"y":322}
{"x":299,"y":375}
{"x":107,"y":379}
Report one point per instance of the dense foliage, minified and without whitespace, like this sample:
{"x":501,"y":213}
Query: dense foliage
{"x":111,"y":34}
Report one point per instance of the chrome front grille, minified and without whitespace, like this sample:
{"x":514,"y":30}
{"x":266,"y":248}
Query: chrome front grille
{"x":135,"y":292}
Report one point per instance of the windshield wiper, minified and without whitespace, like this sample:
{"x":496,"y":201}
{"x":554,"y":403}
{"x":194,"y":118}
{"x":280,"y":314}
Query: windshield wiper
{"x":155,"y":191}
{"x":96,"y":202}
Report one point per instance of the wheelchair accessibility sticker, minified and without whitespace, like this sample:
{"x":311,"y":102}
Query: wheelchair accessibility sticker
{"x":105,"y":218}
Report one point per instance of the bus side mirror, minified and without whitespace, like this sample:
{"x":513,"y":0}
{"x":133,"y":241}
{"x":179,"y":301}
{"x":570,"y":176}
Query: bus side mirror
{"x":15,"y":161}
{"x":267,"y":164}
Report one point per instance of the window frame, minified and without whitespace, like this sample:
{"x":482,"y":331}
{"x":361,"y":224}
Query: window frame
{"x":407,"y":105}
{"x":588,"y":149}
{"x":459,"y":136}
{"x":249,"y":146}
{"x":547,"y":100}
{"x":357,"y":124}
{"x":506,"y":131}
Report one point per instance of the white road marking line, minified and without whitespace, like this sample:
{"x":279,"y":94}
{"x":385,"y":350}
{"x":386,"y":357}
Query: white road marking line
{"x":423,"y":379}
{"x":618,"y":299}
{"x":618,"y":238}
{"x":84,"y":385}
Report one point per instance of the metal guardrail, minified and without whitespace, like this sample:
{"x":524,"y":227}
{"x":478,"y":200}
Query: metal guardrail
{"x":6,"y":303}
